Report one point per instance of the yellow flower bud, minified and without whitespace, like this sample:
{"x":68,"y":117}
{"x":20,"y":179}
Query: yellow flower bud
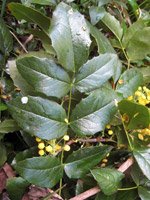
{"x":66,"y":137}
{"x":66,"y":148}
{"x":49,"y":148}
{"x":57,"y":147}
{"x":41,"y":152}
{"x":103,"y":165}
{"x":66,"y":120}
{"x":104,"y":160}
{"x":38,"y":139}
{"x":140,"y":136}
{"x":41,"y":145}
{"x":110,"y":132}
{"x":130,"y":98}
{"x":108,"y":126}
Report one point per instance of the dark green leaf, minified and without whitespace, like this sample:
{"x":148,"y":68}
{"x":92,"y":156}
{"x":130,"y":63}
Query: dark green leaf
{"x":96,"y":14}
{"x":8,"y":125}
{"x":93,"y":113}
{"x":6,"y":41}
{"x":3,"y":106}
{"x":139,"y":116}
{"x":39,"y":117}
{"x":139,"y":46}
{"x":80,"y":162}
{"x":41,"y":171}
{"x":44,"y":76}
{"x":103,"y":43}
{"x":127,"y":195}
{"x":16,"y":187}
{"x":3,"y":156}
{"x":97,"y":71}
{"x":129,"y":82}
{"x":113,"y":24}
{"x":143,"y":159}
{"x":144,"y":193}
{"x":30,"y":15}
{"x":108,"y":179}
{"x":70,"y":37}
{"x":45,"y":2}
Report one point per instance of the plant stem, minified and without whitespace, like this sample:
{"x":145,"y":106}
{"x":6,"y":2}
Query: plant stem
{"x":125,"y":54}
{"x":131,"y":188}
{"x":3,"y":8}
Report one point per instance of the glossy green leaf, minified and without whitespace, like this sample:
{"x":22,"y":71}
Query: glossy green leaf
{"x":3,"y":156}
{"x":108,"y":179}
{"x":40,"y":117}
{"x":103,"y":43}
{"x":113,"y":24}
{"x":143,"y":159}
{"x":139,"y":46}
{"x":139,"y":115}
{"x":93,"y":113}
{"x":44,"y":76}
{"x":30,"y":15}
{"x":8,"y":126}
{"x":3,"y":106}
{"x":144,"y":193}
{"x":80,"y":162}
{"x":16,"y":187}
{"x":70,"y":37}
{"x":6,"y":41}
{"x":129,"y":82}
{"x":96,"y":14}
{"x":42,"y":171}
{"x":131,"y":31}
{"x":97,"y":71}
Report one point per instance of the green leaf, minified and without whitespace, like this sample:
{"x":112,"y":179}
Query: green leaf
{"x":6,"y":41}
{"x":97,"y":71}
{"x":108,"y":179}
{"x":93,"y":113}
{"x":129,"y":82}
{"x":113,"y":24}
{"x":80,"y":162}
{"x":103,"y":2}
{"x":139,"y":116}
{"x":3,"y":156}
{"x":70,"y":37}
{"x":146,"y":74}
{"x":127,"y":194}
{"x":44,"y":76}
{"x":40,"y":117}
{"x":143,"y":159}
{"x":144,"y":193}
{"x":103,"y":43}
{"x":45,"y":2}
{"x":134,"y":5}
{"x":42,"y":171}
{"x":3,"y":106}
{"x":8,"y":125}
{"x":139,"y":46}
{"x":16,"y":187}
{"x":30,"y":15}
{"x":96,"y":14}
{"x":131,"y":31}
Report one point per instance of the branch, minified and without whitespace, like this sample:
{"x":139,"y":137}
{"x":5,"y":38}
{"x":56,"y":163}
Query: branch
{"x":96,"y":189}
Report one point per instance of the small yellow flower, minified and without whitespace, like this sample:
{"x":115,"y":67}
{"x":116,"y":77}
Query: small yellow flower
{"x":66,"y":147}
{"x":41,"y":152}
{"x":125,"y":118}
{"x":38,"y":139}
{"x":130,"y":98}
{"x":105,"y":160}
{"x":66,"y":120}
{"x":108,"y":126}
{"x":66,"y":137}
{"x":57,"y":147}
{"x":110,"y":132}
{"x":140,"y":136}
{"x":41,"y":145}
{"x":49,"y":148}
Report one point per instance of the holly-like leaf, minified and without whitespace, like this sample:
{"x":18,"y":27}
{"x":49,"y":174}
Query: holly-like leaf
{"x":142,"y":157}
{"x":70,"y":37}
{"x":144,"y":193}
{"x":30,"y":15}
{"x":113,"y":24}
{"x":129,"y":82}
{"x":44,"y":76}
{"x":42,"y":171}
{"x":8,"y":126}
{"x":93,"y":113}
{"x":40,"y":117}
{"x":16,"y":187}
{"x":97,"y":71}
{"x":139,"y":46}
{"x":108,"y":179}
{"x":103,"y":43}
{"x":138,"y":115}
{"x":6,"y":41}
{"x":80,"y":162}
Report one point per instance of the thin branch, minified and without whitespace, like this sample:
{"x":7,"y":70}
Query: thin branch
{"x":128,"y":163}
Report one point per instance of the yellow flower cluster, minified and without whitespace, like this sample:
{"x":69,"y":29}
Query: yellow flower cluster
{"x":143,"y":134}
{"x":110,"y":132}
{"x":141,"y":96}
{"x":51,"y":147}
